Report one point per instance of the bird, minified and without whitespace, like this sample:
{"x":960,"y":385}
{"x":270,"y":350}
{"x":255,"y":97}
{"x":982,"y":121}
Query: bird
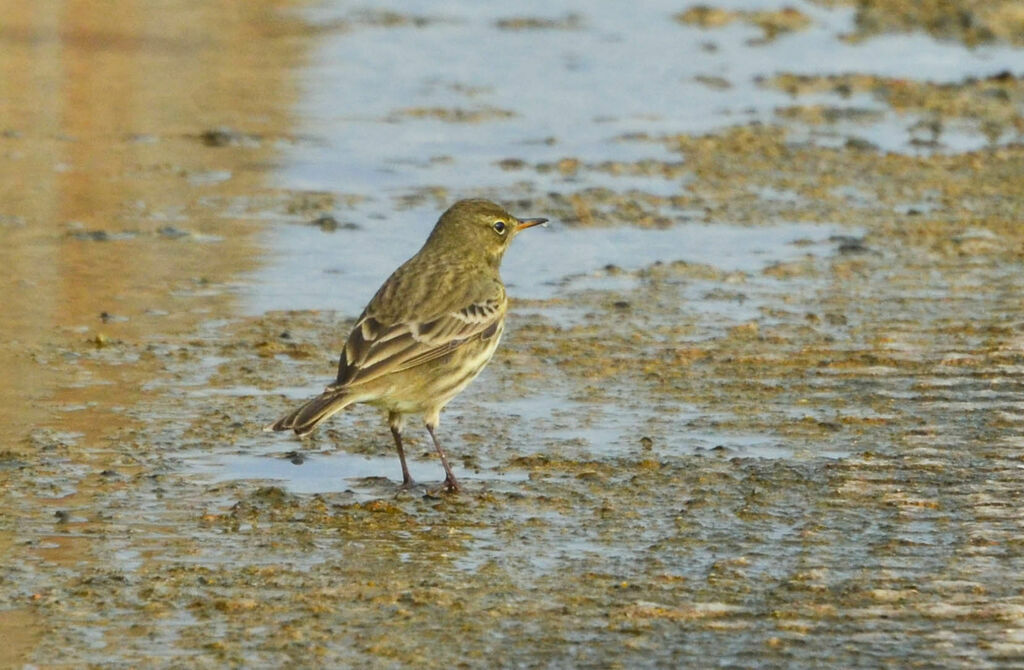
{"x":429,"y":330}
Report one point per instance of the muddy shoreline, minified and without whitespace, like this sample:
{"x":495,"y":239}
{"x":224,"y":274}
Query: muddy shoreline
{"x":811,"y":458}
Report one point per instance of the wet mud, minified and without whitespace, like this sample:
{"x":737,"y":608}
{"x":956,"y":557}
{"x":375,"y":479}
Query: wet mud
{"x":791,"y":439}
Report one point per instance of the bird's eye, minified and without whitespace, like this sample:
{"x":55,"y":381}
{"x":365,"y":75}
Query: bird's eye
{"x":499,"y":227}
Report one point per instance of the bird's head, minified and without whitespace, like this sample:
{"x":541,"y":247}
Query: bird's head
{"x":479,"y":227}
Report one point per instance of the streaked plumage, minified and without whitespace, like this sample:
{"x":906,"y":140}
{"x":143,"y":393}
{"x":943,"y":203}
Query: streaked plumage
{"x":429,"y":330}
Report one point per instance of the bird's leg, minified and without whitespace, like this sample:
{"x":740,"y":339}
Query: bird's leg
{"x":406,"y":477}
{"x":395,"y":420}
{"x":450,"y":483}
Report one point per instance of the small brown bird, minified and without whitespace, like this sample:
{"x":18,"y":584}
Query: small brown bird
{"x":430,"y":329}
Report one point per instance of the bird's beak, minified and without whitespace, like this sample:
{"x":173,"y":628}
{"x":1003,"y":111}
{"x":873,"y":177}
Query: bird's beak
{"x":529,"y":223}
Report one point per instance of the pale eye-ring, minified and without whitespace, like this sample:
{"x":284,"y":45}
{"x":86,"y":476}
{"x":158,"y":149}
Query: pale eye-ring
{"x":499,"y":227}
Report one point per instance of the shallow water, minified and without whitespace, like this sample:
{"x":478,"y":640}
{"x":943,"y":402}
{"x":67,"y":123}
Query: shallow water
{"x":319,"y":473}
{"x":626,"y":69}
{"x":311,"y":269}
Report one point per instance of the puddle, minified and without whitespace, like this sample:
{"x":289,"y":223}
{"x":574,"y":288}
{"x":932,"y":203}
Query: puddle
{"x":333,"y":472}
{"x":313,"y":270}
{"x":598,"y":77}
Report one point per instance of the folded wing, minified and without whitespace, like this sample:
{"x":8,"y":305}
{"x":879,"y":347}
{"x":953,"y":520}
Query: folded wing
{"x":375,"y":349}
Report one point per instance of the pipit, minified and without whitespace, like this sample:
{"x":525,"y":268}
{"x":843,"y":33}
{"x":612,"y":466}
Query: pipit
{"x":430,"y":329}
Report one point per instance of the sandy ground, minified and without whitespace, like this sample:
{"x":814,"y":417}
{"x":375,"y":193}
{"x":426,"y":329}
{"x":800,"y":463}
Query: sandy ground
{"x":831,"y":478}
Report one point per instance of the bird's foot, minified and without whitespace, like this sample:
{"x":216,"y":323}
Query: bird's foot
{"x":451,"y":485}
{"x":407,"y":486}
{"x":447,"y":487}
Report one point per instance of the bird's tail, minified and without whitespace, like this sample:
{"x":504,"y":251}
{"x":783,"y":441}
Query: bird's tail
{"x":306,"y":418}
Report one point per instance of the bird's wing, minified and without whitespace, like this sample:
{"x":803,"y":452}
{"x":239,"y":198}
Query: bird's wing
{"x":376,"y":348}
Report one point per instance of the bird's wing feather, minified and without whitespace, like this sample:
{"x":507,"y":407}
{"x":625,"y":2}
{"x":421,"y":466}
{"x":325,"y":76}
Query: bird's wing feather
{"x":375,"y":349}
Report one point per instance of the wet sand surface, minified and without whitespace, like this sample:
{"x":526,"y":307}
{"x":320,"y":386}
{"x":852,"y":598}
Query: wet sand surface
{"x":760,"y":400}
